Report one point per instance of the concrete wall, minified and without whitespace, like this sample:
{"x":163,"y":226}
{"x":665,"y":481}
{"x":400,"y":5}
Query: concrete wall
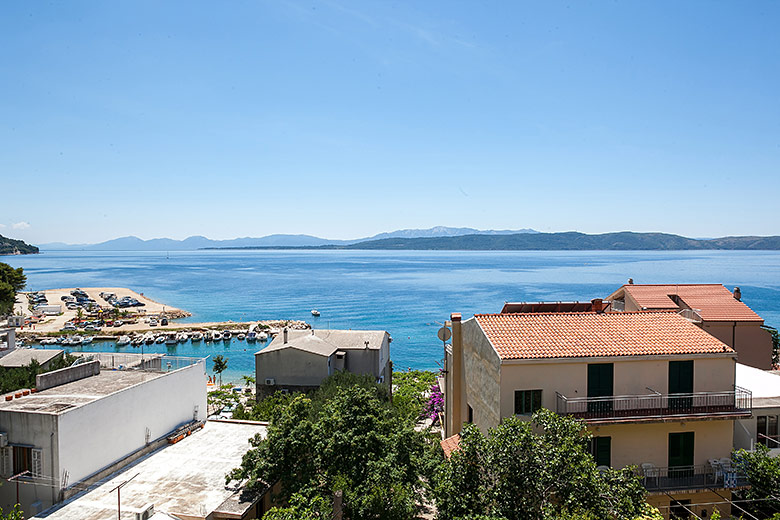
{"x":746,"y":430}
{"x":752,"y":343}
{"x":100,"y":433}
{"x":634,"y":444}
{"x":291,"y":366}
{"x":67,"y":375}
{"x":38,"y":430}
{"x":483,"y":379}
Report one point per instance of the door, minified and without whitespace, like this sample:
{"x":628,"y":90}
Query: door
{"x":681,"y":447}
{"x":601,"y":449}
{"x":600,"y":377}
{"x":681,"y":382}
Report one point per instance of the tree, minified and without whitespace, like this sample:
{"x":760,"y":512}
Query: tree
{"x":410,"y":391}
{"x":7,"y":298}
{"x":13,"y":514}
{"x":763,"y":473}
{"x":347,"y":437}
{"x":14,"y":277}
{"x":220,"y":365}
{"x":535,"y":470}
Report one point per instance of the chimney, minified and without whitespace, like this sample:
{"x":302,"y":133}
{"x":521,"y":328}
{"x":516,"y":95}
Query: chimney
{"x":630,"y":281}
{"x":285,"y":334}
{"x":457,"y":376}
{"x":598,"y":305}
{"x":737,"y":294}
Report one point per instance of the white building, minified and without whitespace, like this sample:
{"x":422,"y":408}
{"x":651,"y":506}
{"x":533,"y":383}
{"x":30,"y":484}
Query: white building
{"x":762,"y":427}
{"x":299,"y":360}
{"x":84,"y":422}
{"x":185,"y":480}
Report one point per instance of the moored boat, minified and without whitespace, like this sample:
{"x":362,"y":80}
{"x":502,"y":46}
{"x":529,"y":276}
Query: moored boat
{"x":196,"y":336}
{"x":315,"y":312}
{"x":251,"y":336}
{"x":123,"y":340}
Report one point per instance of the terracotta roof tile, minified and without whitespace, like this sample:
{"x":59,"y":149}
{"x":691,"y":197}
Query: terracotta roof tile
{"x":450,"y":444}
{"x":588,"y":334}
{"x":713,"y":301}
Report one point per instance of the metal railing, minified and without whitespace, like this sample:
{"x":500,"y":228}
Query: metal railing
{"x":637,"y":407}
{"x":691,"y":477}
{"x":146,"y":362}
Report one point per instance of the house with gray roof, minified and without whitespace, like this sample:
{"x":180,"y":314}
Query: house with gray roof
{"x":299,"y":360}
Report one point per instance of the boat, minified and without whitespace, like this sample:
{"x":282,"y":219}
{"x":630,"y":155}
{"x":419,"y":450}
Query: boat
{"x":216,"y":336}
{"x":171,"y":338}
{"x":315,"y":312}
{"x":123,"y":340}
{"x":149,"y":338}
{"x":262,"y":336}
{"x":226,"y":335}
{"x":251,"y":336}
{"x":86,"y":340}
{"x":136,"y":341}
{"x":241,"y":336}
{"x":75,"y":340}
{"x":196,"y":336}
{"x":182,"y":337}
{"x":160,"y":339}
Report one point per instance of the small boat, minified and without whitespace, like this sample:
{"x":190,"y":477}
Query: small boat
{"x":216,"y":336}
{"x":123,"y":340}
{"x":196,"y":336}
{"x":160,"y":339}
{"x":315,"y":312}
{"x":262,"y":336}
{"x":171,"y":339}
{"x":251,"y":336}
{"x":76,"y":340}
{"x":149,"y":338}
{"x":136,"y":341}
{"x":241,"y":336}
{"x":86,"y":340}
{"x":226,"y":335}
{"x":182,"y":337}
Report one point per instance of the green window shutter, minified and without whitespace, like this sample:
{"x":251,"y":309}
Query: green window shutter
{"x":601,"y":449}
{"x":527,"y":401}
{"x":681,"y":377}
{"x":681,"y":448}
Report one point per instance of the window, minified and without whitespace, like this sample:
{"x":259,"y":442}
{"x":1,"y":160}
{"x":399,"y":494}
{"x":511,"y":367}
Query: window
{"x":471,"y":414}
{"x":527,"y":401}
{"x":22,"y":459}
{"x":601,"y":449}
{"x":766,"y":428}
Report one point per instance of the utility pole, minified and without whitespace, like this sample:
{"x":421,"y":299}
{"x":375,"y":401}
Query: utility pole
{"x":118,"y":496}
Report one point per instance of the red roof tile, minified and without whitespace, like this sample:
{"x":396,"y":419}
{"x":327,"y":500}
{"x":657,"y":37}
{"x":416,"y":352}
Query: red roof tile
{"x":450,"y":444}
{"x":713,"y":301}
{"x":589,"y":334}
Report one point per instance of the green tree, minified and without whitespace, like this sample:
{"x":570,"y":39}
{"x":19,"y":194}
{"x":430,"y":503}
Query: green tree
{"x":535,"y":470}
{"x":13,"y":514}
{"x":301,"y":508}
{"x":7,"y":298}
{"x":346,"y":437}
{"x":763,"y":473}
{"x":14,"y":277}
{"x":410,"y":391}
{"x":220,"y":365}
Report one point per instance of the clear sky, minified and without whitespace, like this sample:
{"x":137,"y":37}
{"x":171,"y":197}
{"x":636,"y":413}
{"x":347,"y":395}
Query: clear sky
{"x":344,"y":119}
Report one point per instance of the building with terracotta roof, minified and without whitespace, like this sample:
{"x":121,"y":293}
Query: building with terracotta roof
{"x":710,"y":306}
{"x":656,"y":391}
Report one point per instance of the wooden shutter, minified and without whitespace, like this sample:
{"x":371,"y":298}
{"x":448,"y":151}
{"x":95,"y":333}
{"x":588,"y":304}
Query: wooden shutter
{"x":37,"y":462}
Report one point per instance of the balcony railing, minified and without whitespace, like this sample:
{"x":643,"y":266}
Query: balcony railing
{"x":691,"y":477}
{"x":628,"y":408}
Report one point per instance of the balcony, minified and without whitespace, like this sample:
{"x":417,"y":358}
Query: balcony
{"x":680,"y":478}
{"x":737,"y":403}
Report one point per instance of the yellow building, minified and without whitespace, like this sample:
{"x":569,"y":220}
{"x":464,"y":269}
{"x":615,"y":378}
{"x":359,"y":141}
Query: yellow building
{"x":656,"y":391}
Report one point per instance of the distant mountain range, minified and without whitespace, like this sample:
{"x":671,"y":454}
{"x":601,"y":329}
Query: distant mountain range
{"x":444,"y":238}
{"x":9,"y":246}
{"x":132,"y":243}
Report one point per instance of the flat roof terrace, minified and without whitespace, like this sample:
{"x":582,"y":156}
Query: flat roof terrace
{"x":185,"y":479}
{"x":61,"y":398}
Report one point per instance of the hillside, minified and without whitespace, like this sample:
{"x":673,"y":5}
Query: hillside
{"x":9,"y":246}
{"x":571,"y":241}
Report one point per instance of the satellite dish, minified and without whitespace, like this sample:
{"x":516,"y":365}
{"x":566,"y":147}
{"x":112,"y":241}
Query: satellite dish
{"x":444,"y":333}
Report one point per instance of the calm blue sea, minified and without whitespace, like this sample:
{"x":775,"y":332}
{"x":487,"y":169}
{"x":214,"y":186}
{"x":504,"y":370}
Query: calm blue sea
{"x":408,"y":293}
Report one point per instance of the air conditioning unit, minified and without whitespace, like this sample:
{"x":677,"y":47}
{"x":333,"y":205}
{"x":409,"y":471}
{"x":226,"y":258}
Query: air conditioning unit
{"x":3,"y":440}
{"x":145,"y":513}
{"x":270,"y":381}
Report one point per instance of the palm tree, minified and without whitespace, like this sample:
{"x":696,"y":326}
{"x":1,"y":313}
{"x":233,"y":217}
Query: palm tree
{"x":220,"y":364}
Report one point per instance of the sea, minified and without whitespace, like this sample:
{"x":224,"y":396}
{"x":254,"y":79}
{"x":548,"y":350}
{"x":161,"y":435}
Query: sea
{"x":408,"y":293}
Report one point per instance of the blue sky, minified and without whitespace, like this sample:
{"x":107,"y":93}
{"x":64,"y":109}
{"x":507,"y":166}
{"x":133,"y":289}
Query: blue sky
{"x":344,"y":119}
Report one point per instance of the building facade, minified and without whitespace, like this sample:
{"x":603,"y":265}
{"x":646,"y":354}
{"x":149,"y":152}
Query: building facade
{"x":655,"y":391}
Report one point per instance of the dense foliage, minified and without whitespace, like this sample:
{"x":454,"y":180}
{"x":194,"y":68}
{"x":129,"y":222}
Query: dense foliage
{"x":15,"y":378}
{"x":10,"y":246}
{"x":11,"y":282}
{"x":535,"y":470}
{"x":345,"y":437}
{"x":13,"y":514}
{"x":410,"y":391}
{"x":763,"y":473}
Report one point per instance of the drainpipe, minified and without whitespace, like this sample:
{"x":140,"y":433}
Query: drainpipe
{"x":734,"y":336}
{"x":457,"y":375}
